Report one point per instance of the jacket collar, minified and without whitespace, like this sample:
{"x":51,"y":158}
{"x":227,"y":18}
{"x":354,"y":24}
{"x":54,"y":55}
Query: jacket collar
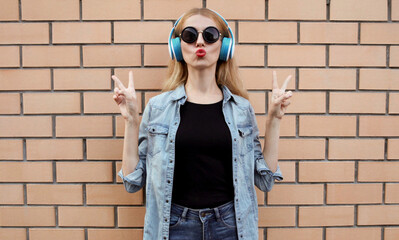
{"x":179,"y":94}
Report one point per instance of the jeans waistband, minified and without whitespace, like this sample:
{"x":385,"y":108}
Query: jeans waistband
{"x":185,"y":211}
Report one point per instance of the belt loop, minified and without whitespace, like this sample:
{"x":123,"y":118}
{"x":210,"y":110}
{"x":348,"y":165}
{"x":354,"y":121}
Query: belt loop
{"x":184,"y":212}
{"x":217,"y":213}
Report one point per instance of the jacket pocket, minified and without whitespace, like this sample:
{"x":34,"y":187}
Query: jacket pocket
{"x":246,"y":140}
{"x":157,"y":136}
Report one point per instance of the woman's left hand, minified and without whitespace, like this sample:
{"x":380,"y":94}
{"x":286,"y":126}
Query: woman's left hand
{"x":279,"y":101}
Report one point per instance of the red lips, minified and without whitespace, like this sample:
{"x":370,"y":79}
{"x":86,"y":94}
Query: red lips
{"x":200,"y":52}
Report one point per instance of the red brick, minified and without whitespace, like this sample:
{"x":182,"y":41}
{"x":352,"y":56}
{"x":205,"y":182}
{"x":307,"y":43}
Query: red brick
{"x":11,"y":149}
{"x":304,"y":194}
{"x":328,"y":32}
{"x":16,"y":79}
{"x":306,"y":102}
{"x":395,"y":14}
{"x":392,"y":193}
{"x":361,"y":102}
{"x":393,"y":149}
{"x":101,"y":102}
{"x":25,"y":126}
{"x":111,"y":55}
{"x":84,"y":172}
{"x":357,"y":56}
{"x":261,"y":78}
{"x":301,"y":149}
{"x":144,"y":78}
{"x":354,"y":193}
{"x":11,"y":194}
{"x":86,"y":216}
{"x":104,"y":149}
{"x":24,"y":33}
{"x":12,"y":233}
{"x":327,"y":79}
{"x":378,"y":126}
{"x":297,"y":10}
{"x":258,"y":101}
{"x":391,"y":233}
{"x":394,"y":56}
{"x":156,"y":55}
{"x":111,"y":194}
{"x":358,"y":149}
{"x":50,"y":10}
{"x":9,"y":11}
{"x":378,"y":215}
{"x":379,"y":33}
{"x":295,"y":233}
{"x":79,"y":126}
{"x":379,"y":79}
{"x":393,"y":103}
{"x":51,"y":103}
{"x":10,"y":103}
{"x":296,"y":55}
{"x":150,"y":32}
{"x":255,"y":10}
{"x":108,"y":10}
{"x":131,"y":216}
{"x":27,"y":216}
{"x":272,"y":32}
{"x":115,"y":234}
{"x":9,"y":56}
{"x":281,"y":216}
{"x":54,"y":149}
{"x":54,"y":194}
{"x":50,"y":56}
{"x":378,"y":172}
{"x":81,"y":32}
{"x":326,"y":171}
{"x":249,"y":55}
{"x":82,"y":79}
{"x":172,"y":9}
{"x":359,"y":10}
{"x":59,"y":234}
{"x":353,"y":233}
{"x":327,"y":126}
{"x":326,"y":216}
{"x":26,"y":172}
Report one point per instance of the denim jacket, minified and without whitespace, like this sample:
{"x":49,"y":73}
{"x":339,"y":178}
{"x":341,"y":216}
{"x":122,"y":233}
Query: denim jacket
{"x":156,"y":150}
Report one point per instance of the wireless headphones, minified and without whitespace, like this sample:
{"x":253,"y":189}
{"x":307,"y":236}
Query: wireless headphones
{"x":226,"y":50}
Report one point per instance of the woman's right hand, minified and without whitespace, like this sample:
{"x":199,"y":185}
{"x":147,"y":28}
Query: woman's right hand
{"x":126,"y":99}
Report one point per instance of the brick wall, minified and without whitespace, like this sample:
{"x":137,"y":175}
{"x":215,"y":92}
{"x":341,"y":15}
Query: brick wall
{"x":61,"y":134}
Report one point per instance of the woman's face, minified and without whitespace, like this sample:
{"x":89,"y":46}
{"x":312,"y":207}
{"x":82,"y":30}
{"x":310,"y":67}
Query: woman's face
{"x":189,"y":50}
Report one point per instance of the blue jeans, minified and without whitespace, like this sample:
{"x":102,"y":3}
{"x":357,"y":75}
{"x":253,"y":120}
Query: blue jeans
{"x":217,"y":223}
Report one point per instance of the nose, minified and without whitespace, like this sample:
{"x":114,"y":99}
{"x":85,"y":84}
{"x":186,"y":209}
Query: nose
{"x":200,"y":39}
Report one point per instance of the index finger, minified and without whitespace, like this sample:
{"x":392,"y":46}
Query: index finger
{"x":286,"y":83}
{"x":120,"y":84}
{"x":131,"y":84}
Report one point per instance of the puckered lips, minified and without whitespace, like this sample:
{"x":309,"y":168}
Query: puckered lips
{"x":200,"y":52}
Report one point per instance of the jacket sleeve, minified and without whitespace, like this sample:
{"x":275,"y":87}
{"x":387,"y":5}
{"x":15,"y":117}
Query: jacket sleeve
{"x":134,"y":181}
{"x":264,"y":177}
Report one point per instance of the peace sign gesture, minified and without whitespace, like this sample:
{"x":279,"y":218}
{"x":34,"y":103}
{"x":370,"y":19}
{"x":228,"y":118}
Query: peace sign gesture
{"x":279,"y":101}
{"x":126,"y":98}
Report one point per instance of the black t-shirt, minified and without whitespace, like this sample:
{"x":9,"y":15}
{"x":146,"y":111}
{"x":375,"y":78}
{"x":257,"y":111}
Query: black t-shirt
{"x":203,"y":175}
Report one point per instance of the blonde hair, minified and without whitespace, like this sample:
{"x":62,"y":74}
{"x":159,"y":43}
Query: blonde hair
{"x":226,"y":72}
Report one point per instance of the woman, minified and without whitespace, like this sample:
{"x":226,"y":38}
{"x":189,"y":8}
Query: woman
{"x":197,"y":147}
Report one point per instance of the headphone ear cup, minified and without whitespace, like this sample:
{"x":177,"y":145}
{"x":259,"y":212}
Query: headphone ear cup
{"x":176,"y":49}
{"x":225,"y":50}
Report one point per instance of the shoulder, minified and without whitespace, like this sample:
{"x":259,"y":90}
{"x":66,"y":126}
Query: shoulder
{"x":161,"y":100}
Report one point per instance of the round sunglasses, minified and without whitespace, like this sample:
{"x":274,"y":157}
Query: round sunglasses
{"x":209,"y":34}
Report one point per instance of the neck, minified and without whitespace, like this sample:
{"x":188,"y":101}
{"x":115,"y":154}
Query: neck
{"x":201,"y":85}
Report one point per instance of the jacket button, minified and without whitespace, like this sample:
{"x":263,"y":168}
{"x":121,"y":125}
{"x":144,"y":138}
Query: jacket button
{"x":166,"y":219}
{"x":235,"y":139}
{"x":167,"y":200}
{"x":235,"y":179}
{"x":235,"y":159}
{"x":171,"y":161}
{"x":168,"y":181}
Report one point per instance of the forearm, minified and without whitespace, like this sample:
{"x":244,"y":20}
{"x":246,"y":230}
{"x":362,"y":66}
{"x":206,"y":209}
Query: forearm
{"x":130,"y":148}
{"x":272,"y":135}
